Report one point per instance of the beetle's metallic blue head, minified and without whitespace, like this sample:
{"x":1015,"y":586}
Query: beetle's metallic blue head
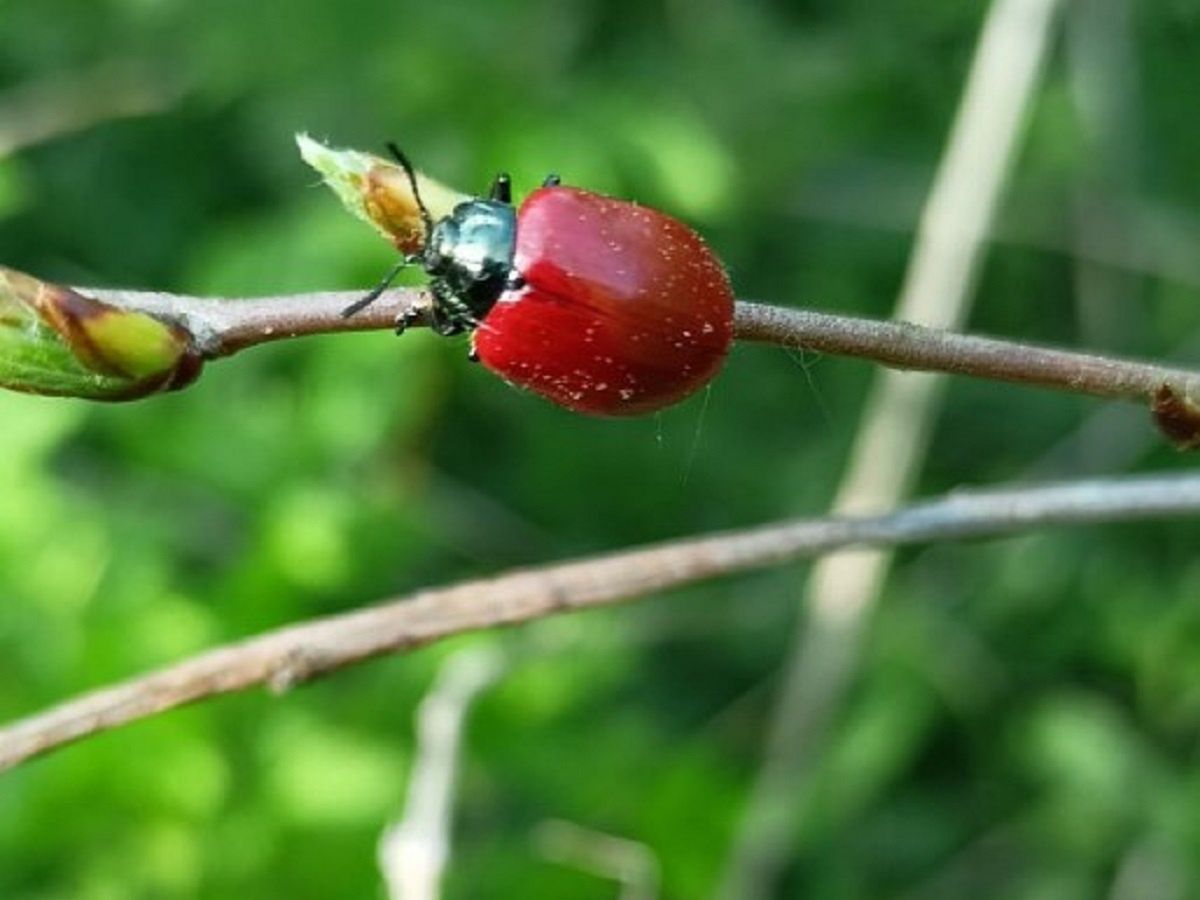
{"x":470,"y":252}
{"x":469,"y":258}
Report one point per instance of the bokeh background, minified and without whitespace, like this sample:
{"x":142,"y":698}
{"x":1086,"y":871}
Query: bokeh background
{"x":1024,"y":720}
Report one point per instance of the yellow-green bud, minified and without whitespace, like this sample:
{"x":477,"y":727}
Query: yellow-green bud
{"x":56,"y":341}
{"x":378,"y":191}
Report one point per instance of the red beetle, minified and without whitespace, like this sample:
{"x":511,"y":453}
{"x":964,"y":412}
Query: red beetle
{"x":602,"y":306}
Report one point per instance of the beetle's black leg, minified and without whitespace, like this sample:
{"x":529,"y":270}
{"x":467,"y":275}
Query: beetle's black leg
{"x":437,"y":319}
{"x":376,"y":292}
{"x":551,"y":180}
{"x":444,"y":321}
{"x":407,"y":319}
{"x":515,"y":281}
{"x":502,"y":188}
{"x":454,"y":317}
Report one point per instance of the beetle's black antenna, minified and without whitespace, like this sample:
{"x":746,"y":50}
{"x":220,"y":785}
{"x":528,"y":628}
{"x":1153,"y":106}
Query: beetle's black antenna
{"x":426,"y":220}
{"x":402,"y":160}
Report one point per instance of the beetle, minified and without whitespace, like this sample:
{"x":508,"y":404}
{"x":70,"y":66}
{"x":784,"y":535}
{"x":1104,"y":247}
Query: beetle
{"x":601,"y":305}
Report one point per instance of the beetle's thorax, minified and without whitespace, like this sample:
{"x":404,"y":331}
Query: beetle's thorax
{"x":470,"y":256}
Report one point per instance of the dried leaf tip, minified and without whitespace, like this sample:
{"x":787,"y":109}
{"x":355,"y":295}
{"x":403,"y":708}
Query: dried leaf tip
{"x":56,"y":341}
{"x":378,"y":191}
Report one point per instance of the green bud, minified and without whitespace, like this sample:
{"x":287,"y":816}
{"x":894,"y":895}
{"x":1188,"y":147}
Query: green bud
{"x":378,"y":191}
{"x":56,"y":341}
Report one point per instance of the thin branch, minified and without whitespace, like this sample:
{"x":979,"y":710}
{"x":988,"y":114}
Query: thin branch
{"x":903,"y":345}
{"x":303,"y":652}
{"x":223,"y":327}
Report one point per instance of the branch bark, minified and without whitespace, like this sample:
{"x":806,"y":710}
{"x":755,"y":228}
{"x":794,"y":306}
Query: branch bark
{"x":306,"y":651}
{"x":222,"y":327}
{"x":903,"y":345}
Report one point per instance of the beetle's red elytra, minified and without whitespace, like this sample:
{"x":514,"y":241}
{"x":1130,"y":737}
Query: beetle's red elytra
{"x":623,"y":311}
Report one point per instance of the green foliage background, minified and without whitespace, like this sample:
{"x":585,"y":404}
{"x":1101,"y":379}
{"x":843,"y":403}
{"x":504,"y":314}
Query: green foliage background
{"x":1025,"y":720}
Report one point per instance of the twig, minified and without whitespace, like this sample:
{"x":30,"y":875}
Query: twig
{"x":223,"y":327}
{"x":302,"y":652}
{"x":903,"y":345}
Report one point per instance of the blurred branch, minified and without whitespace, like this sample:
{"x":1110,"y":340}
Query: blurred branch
{"x":1102,"y":74}
{"x":299,"y":653}
{"x":631,"y":864}
{"x":414,"y":850}
{"x":41,"y":110}
{"x":842,"y":590}
{"x":222,"y":327}
{"x":1160,"y":238}
{"x":1149,"y":869}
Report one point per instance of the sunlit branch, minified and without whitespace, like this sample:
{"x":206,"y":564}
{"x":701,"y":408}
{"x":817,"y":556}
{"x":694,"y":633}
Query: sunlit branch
{"x":306,"y":651}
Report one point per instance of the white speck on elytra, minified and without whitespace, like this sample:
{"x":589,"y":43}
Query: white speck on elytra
{"x":602,"y":386}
